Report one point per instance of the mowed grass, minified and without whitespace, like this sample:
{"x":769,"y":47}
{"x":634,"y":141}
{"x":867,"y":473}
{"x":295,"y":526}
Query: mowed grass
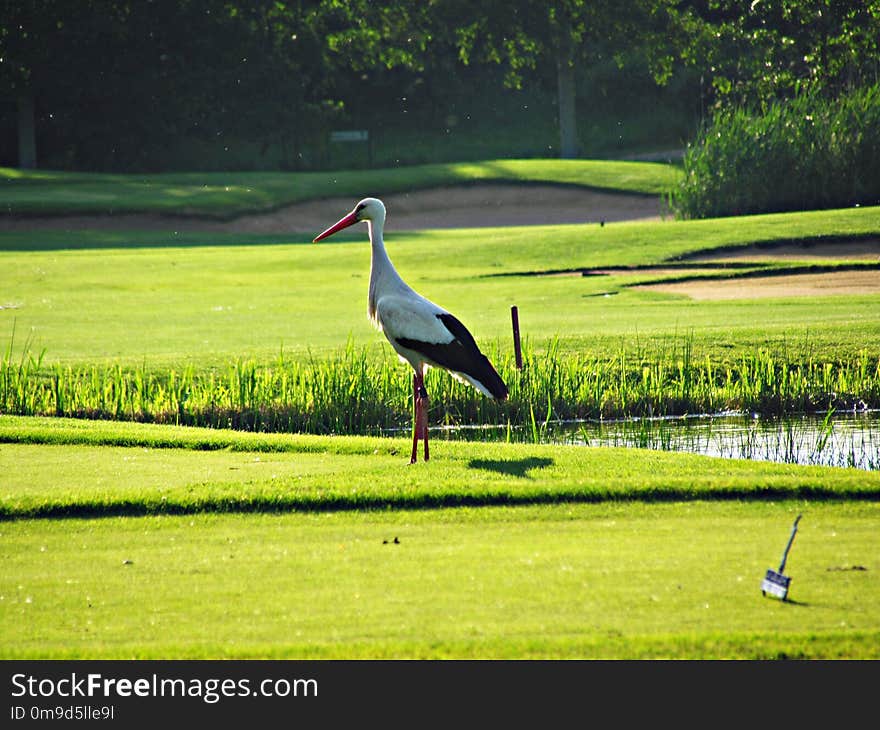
{"x":228,"y":194}
{"x":58,"y":467}
{"x":623,"y":574}
{"x":167,"y":302}
{"x":559,"y":581}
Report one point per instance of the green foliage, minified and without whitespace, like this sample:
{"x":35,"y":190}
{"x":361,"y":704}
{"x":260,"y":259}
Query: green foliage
{"x":195,"y":84}
{"x":758,"y":52}
{"x":807,"y":153}
{"x":354,"y":393}
{"x":208,"y":85}
{"x":136,"y":75}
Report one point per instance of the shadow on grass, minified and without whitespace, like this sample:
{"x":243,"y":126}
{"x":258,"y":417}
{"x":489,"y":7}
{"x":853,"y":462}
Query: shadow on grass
{"x":413,"y":501}
{"x":91,"y":239}
{"x":512,"y":467}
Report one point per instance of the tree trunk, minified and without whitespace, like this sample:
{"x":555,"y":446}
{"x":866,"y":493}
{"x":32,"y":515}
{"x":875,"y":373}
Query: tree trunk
{"x":568,"y":141}
{"x":27,"y":140}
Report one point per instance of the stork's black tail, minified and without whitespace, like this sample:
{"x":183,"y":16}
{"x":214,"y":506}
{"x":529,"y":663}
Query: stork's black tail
{"x":462,"y":357}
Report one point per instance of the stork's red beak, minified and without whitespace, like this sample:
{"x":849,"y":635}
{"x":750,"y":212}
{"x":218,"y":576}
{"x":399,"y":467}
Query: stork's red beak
{"x":349,"y":220}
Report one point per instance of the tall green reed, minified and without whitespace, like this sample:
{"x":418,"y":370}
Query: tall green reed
{"x":806,"y":153}
{"x":356,"y":391}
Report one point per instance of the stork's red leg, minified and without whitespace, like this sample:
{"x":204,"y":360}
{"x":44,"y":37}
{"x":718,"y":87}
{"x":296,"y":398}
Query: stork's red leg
{"x":416,"y":414}
{"x":423,"y":414}
{"x":420,"y":417}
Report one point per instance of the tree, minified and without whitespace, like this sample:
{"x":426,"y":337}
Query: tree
{"x":27,"y":63}
{"x":755,"y":53}
{"x":108,"y":83}
{"x":563,"y":35}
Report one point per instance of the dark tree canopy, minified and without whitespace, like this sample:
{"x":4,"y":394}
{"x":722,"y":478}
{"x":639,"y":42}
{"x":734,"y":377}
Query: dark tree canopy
{"x":759,"y":52}
{"x":116,"y":84}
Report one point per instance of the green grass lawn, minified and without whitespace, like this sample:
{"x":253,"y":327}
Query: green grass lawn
{"x":562,"y":581}
{"x":625,"y":573}
{"x":227,"y":194}
{"x":166,"y":300}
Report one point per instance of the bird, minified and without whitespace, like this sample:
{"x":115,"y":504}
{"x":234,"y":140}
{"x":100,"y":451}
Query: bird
{"x":422,"y":333}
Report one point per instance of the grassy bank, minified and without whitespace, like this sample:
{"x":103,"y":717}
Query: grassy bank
{"x":57,"y":467}
{"x":569,"y":581}
{"x":229,"y":194}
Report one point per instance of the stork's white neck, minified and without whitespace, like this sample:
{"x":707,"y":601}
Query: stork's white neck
{"x":379,"y":260}
{"x":384,"y":278}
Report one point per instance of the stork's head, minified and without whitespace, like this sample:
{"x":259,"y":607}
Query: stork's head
{"x":369,"y":209}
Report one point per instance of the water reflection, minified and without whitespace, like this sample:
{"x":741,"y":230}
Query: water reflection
{"x":831,"y":439}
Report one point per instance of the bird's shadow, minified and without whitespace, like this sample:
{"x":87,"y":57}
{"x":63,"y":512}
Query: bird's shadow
{"x":514,"y":467}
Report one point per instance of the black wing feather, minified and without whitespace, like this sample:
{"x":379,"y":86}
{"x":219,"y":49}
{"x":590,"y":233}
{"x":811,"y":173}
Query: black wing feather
{"x":461,"y":355}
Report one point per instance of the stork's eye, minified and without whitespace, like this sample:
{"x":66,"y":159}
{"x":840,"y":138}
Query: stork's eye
{"x":360,"y":207}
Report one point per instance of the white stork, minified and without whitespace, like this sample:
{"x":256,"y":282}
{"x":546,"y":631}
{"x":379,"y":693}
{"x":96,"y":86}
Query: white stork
{"x":422,"y":333}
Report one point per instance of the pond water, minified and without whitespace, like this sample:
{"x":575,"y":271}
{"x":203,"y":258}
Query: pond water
{"x":835,"y":439}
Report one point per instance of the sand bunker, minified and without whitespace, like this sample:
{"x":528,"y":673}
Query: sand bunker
{"x":789,"y":285}
{"x":467,"y":206}
{"x":763,"y":287}
{"x":499,"y":204}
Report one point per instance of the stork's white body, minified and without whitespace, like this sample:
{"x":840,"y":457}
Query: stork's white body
{"x":404,"y":314}
{"x":422,"y":333}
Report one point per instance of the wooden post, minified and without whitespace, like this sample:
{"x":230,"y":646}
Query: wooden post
{"x":514,"y":316}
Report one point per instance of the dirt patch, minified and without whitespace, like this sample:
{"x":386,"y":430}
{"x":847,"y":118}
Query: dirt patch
{"x":761,"y":287}
{"x":468,"y":206}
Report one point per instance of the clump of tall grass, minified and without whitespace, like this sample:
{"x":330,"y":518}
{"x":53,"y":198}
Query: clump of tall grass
{"x":803,"y":154}
{"x":357,"y":392}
